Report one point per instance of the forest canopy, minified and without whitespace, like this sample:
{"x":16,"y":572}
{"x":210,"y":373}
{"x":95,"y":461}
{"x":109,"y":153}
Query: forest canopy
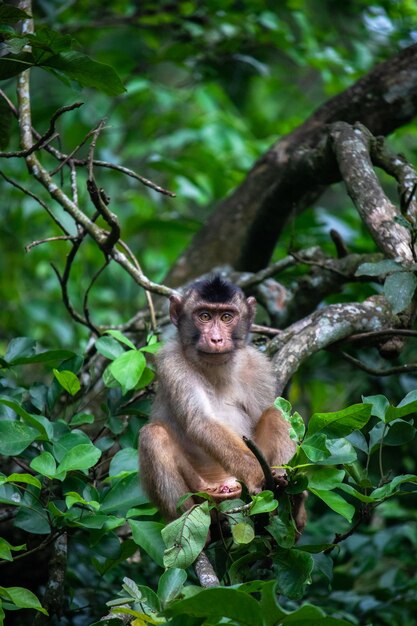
{"x":144,"y":145}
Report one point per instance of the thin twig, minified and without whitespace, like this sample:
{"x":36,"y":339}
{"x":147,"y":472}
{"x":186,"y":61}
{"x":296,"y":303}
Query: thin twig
{"x":44,"y":139}
{"x":29,"y":246}
{"x":400,"y":369}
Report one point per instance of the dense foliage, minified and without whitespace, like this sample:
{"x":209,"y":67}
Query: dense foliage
{"x":193,"y":93}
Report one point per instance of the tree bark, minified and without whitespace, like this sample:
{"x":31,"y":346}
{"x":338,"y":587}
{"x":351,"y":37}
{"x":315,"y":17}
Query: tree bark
{"x":244,"y":228}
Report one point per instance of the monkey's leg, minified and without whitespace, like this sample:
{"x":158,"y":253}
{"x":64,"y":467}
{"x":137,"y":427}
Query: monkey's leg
{"x":272,"y":438}
{"x":166,"y":472}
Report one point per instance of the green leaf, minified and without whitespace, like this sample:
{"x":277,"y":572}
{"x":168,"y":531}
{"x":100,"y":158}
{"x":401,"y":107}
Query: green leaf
{"x":393,"y":487}
{"x":128,"y":368}
{"x":7,"y":548}
{"x":282,"y":529}
{"x":48,"y":356}
{"x":284,"y":406}
{"x":120,"y":337}
{"x":293,"y":571}
{"x":15,"y":437}
{"x":81,"y":457}
{"x":324,"y":478}
{"x":125,"y":460}
{"x":185,"y":537}
{"x":341,"y":452}
{"x":26,"y":479}
{"x":20,"y":347}
{"x":125,"y":493}
{"x":109,"y":347}
{"x":89,"y":73}
{"x":82,"y":418}
{"x":44,"y":464}
{"x":399,"y":290}
{"x":147,"y":535}
{"x":335,"y":502}
{"x":380,"y":268}
{"x":263,"y":502}
{"x":340,"y":423}
{"x":243,"y":533}
{"x":22,"y":598}
{"x":218,"y":604}
{"x":68,"y":381}
{"x":10,"y":14}
{"x":379,"y":405}
{"x":40,"y":423}
{"x":170,"y":585}
{"x":315,"y":447}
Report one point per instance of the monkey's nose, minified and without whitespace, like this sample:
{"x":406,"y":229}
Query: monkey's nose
{"x":216,"y":340}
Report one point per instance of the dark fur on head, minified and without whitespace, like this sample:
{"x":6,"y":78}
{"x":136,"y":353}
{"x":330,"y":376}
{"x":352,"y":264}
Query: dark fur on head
{"x":216,"y":289}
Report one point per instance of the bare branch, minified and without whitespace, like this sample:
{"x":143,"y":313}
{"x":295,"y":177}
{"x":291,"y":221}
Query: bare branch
{"x":29,"y":246}
{"x":323,"y":328}
{"x":400,"y":369}
{"x":352,"y":145}
{"x":205,"y":571}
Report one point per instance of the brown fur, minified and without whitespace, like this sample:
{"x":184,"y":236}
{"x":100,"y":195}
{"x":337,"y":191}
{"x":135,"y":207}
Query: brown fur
{"x":213,"y":390}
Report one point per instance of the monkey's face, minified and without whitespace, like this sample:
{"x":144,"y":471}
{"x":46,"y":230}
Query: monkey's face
{"x":215,"y":326}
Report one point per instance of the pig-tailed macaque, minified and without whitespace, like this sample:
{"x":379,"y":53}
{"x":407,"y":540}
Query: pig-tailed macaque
{"x":214,"y":389}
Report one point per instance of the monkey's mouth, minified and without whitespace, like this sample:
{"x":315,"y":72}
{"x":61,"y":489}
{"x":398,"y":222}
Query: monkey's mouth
{"x":215,"y":357}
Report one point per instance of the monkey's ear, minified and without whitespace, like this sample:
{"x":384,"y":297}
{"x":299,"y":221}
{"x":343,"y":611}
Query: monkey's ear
{"x":175,"y":308}
{"x":251,"y":303}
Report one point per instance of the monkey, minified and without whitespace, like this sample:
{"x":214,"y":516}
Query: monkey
{"x":213,"y":389}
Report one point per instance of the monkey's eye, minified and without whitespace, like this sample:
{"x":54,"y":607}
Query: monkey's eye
{"x":226,"y":318}
{"x":204,"y":316}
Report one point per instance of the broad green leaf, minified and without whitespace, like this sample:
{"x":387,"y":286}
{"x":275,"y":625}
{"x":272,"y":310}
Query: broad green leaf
{"x":26,"y":479}
{"x":41,"y":423}
{"x":72,"y":498}
{"x":7,"y":548}
{"x":22,"y":598}
{"x":147,"y":535}
{"x":45,"y":464}
{"x":128,"y":368}
{"x":263,"y":502}
{"x":284,"y":406}
{"x":121,"y":338}
{"x":125,"y":493}
{"x":109,"y":347}
{"x":82,"y":418}
{"x":399,"y":433}
{"x":335,"y":502}
{"x":399,"y":290}
{"x":315,"y":448}
{"x":407,"y":406}
{"x":185,"y":537}
{"x":379,"y":405}
{"x":325,"y":478}
{"x":293,"y":571}
{"x":282,"y":529}
{"x":380,"y":268}
{"x":218,"y":604}
{"x":89,"y":73}
{"x":125,"y":460}
{"x":341,"y":452}
{"x":68,"y":381}
{"x":272,"y":612}
{"x":243,"y":533}
{"x":66,"y":442}
{"x":298,"y":429}
{"x":340,"y":423}
{"x":170,"y":585}
{"x":48,"y":356}
{"x":81,"y":457}
{"x":15,"y":437}
{"x":392,"y":487}
{"x":355,"y":493}
{"x":20,"y":347}
{"x":10,"y":14}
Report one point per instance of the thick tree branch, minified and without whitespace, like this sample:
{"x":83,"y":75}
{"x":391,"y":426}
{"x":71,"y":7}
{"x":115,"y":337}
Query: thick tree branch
{"x":352,"y":145}
{"x":243,"y":230}
{"x":324,"y":327}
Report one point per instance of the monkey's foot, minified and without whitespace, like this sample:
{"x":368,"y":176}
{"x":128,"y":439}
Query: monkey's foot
{"x":226,"y":490}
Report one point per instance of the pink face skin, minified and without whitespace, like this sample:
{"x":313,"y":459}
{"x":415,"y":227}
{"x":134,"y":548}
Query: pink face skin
{"x":216,"y":323}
